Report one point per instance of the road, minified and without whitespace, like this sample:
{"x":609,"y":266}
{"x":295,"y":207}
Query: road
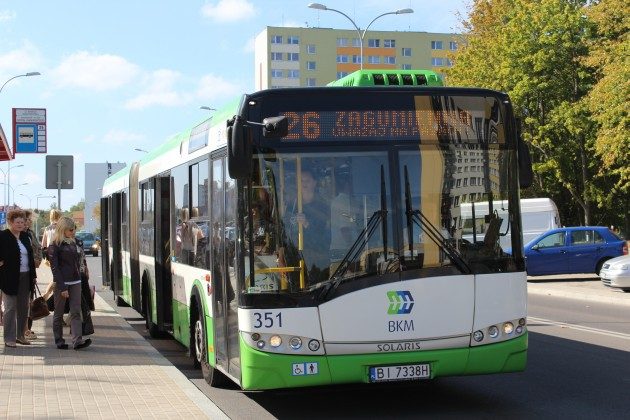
{"x":578,"y":366}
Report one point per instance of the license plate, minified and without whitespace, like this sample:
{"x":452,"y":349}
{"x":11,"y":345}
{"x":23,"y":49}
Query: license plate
{"x":400,"y":373}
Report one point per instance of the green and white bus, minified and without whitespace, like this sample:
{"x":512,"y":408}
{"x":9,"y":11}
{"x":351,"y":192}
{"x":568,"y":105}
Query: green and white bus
{"x":309,"y":236}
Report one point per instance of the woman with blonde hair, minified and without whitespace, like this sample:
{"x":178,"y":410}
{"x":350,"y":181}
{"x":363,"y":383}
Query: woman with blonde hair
{"x":65,"y":262}
{"x":54,"y":216}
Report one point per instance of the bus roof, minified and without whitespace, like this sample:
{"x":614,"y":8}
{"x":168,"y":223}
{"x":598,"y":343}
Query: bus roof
{"x":391,"y":77}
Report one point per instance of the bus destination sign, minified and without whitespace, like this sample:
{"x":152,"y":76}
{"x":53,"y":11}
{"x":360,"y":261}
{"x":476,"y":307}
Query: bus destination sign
{"x":427,"y":125}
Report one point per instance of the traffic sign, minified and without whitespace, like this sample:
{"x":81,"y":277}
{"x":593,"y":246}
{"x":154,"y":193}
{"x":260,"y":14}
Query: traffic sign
{"x":29,"y":130}
{"x":3,"y":218}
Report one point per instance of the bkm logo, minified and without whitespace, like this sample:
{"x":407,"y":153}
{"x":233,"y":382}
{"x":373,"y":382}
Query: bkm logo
{"x":400,"y":302}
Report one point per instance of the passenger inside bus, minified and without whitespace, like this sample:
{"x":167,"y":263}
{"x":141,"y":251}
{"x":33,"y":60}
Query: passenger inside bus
{"x":188,"y":237}
{"x":314,"y":220}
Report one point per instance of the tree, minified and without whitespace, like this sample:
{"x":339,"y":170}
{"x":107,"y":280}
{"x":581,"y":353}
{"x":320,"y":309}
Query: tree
{"x":534,"y":51}
{"x":80,"y":206}
{"x":608,"y":102}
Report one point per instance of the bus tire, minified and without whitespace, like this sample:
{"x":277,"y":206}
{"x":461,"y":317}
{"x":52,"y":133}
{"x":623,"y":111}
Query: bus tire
{"x":199,"y":344}
{"x":151,"y":327}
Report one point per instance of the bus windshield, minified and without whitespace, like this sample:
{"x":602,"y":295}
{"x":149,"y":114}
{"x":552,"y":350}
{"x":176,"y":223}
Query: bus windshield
{"x":321,"y":215}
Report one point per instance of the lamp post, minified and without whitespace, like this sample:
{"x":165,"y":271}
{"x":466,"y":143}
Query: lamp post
{"x":12,"y":189}
{"x":37,"y":197}
{"x":207,"y":108}
{"x":31,"y":73}
{"x":30,"y":200}
{"x":7,"y":179}
{"x":140,"y":150}
{"x":319,"y":6}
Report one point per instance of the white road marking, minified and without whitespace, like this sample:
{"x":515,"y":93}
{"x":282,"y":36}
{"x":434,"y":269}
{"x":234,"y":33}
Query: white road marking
{"x":579,"y":327}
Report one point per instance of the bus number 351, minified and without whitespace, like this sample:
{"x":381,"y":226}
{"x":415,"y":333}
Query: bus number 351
{"x":267,"y":319}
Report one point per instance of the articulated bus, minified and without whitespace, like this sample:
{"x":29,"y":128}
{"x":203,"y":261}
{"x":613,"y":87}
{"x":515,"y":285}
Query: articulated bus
{"x":308,"y":236}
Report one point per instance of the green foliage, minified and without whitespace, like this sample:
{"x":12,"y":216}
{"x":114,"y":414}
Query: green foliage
{"x":543,"y":54}
{"x":80,"y":206}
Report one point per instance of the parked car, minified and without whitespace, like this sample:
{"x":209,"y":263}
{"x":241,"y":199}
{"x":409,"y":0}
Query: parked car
{"x":569,"y":250}
{"x":616,"y":273}
{"x":91,"y":244}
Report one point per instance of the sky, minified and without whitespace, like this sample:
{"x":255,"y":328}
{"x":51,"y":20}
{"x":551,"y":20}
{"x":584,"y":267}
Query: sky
{"x":118,"y":75}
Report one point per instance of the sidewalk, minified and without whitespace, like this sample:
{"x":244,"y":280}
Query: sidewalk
{"x":585,"y":287}
{"x":119,"y":376}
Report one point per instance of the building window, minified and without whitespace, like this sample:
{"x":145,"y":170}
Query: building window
{"x":356,"y":42}
{"x":389,"y":43}
{"x":342,"y":59}
{"x":310,"y":48}
{"x":276,"y":73}
{"x":293,"y":56}
{"x":356,"y":59}
{"x":293,"y":74}
{"x":452,"y":46}
{"x":342,"y":42}
{"x":374,"y":59}
{"x":341,"y":74}
{"x":465,"y":182}
{"x":276,"y":39}
{"x":449,"y":62}
{"x":436,"y":45}
{"x":458,"y":182}
{"x":406,"y":52}
{"x":310,"y":82}
{"x":374,"y":43}
{"x":437,"y":61}
{"x":389,"y":60}
{"x":310,"y":65}
{"x":276,"y":56}
{"x":293,"y":40}
{"x":406,"y":67}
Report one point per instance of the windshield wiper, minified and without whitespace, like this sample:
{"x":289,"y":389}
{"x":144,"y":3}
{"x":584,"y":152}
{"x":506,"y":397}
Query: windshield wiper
{"x":417,"y":217}
{"x":379,"y":216}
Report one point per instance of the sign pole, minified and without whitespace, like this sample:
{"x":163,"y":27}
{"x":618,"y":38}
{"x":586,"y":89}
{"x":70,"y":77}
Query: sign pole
{"x":59,"y":185}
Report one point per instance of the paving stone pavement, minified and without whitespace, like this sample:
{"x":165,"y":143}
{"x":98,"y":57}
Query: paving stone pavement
{"x":119,"y":376}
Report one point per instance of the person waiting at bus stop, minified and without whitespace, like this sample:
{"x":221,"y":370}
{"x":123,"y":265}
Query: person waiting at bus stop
{"x":17,"y":278}
{"x":65,"y":262}
{"x":314,"y":221}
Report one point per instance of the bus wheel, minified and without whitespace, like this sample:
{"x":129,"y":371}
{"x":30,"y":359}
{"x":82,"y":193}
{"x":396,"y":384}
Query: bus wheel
{"x":200,"y":351}
{"x":152,"y":328}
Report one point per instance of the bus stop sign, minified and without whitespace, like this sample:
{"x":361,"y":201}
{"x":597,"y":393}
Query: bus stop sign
{"x":59,"y":172}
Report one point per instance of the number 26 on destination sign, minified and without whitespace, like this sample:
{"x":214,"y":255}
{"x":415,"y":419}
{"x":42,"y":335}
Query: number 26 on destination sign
{"x":267,"y":319}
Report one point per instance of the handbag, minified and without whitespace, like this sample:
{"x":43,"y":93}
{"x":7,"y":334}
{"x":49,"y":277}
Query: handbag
{"x":39,"y":307}
{"x":87,"y":326}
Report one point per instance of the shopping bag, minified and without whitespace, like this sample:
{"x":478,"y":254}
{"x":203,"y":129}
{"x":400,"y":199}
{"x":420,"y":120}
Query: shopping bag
{"x":39,"y":307}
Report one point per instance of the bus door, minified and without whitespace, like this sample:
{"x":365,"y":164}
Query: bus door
{"x":163,"y":278}
{"x":225,"y":302}
{"x":114,"y":234}
{"x":105,"y":242}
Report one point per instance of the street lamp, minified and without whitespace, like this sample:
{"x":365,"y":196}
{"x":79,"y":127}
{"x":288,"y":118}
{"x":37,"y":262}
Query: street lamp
{"x":7,"y":179}
{"x":31,"y":73}
{"x":140,"y":150}
{"x":207,"y":108}
{"x":30,"y":200}
{"x":12,"y":189}
{"x":37,"y":197}
{"x":319,"y":6}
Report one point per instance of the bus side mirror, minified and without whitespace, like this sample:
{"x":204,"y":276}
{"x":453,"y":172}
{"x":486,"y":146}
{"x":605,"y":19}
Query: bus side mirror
{"x":275,"y":127}
{"x":525,"y":171}
{"x":239,"y":140}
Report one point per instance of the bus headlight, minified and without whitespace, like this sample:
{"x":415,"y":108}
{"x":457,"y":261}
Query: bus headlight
{"x":275,"y":341}
{"x":508,"y":328}
{"x":521,"y":322}
{"x":255,"y":336}
{"x":260,"y":344}
{"x":519,"y":329}
{"x":295,"y":343}
{"x":478,"y":336}
{"x":493,"y":331}
{"x":313,"y":345}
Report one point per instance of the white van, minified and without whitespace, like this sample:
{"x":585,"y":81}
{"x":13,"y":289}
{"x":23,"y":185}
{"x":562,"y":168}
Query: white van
{"x":538,"y":215}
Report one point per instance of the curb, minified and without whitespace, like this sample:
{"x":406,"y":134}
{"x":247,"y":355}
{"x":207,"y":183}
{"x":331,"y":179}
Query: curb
{"x":544,"y":291}
{"x":196,"y":396}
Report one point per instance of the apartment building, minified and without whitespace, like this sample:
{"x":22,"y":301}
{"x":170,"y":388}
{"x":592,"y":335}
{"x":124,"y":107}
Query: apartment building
{"x":291,"y":57}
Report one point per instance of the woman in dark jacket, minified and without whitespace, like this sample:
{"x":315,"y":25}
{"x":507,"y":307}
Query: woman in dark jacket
{"x":17,"y":278}
{"x":65,"y":262}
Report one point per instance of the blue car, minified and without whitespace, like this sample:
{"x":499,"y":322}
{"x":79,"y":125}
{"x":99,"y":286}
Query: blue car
{"x":571,"y":250}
